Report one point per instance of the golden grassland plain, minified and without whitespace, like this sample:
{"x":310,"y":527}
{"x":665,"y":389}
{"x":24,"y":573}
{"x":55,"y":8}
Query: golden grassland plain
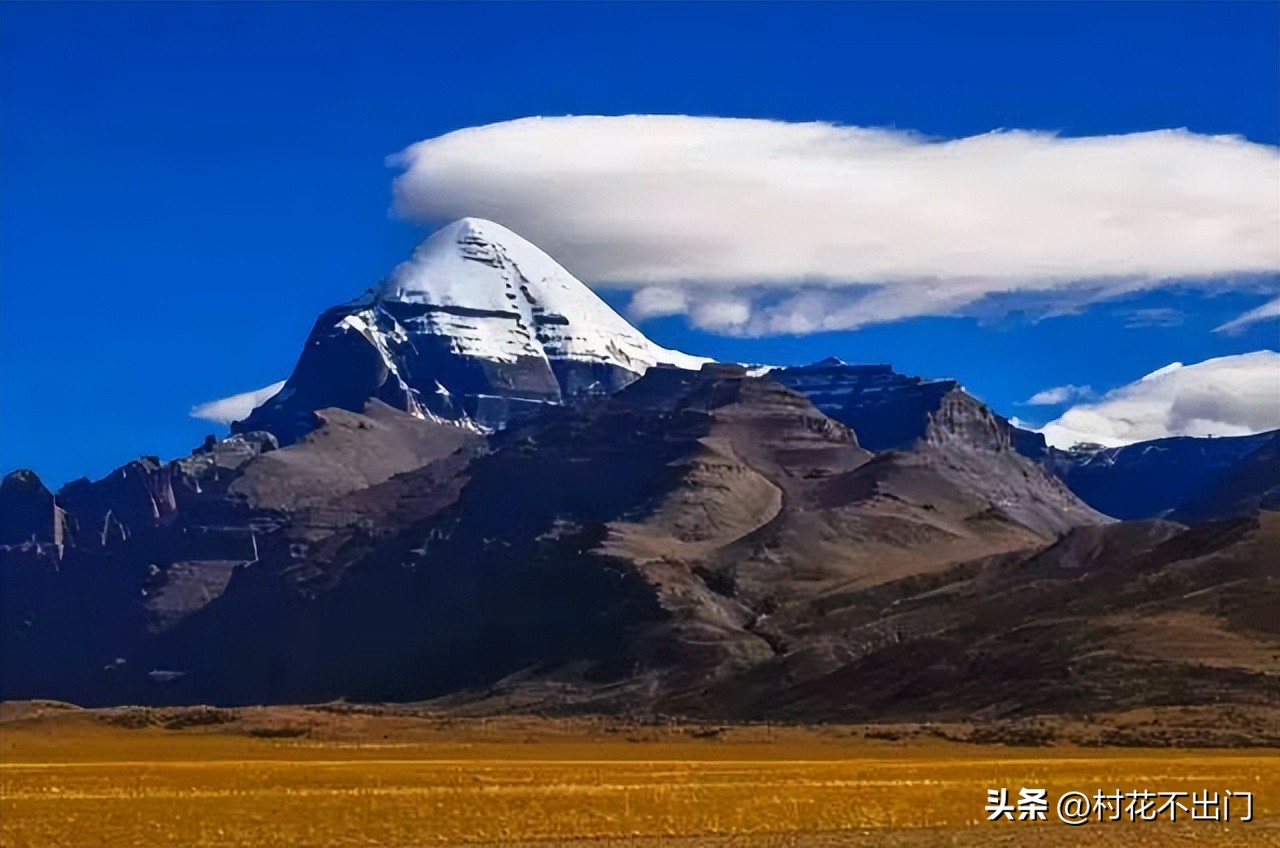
{"x":313,"y":777}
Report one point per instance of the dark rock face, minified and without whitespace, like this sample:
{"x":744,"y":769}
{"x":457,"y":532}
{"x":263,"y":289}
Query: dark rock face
{"x":1026,"y":442}
{"x":341,"y":367}
{"x":28,"y":511}
{"x":941,"y":426}
{"x":1182,"y":477}
{"x":1250,"y":484}
{"x":974,"y":448}
{"x":153,"y":544}
{"x":133,"y":497}
{"x":362,"y":352}
{"x":886,"y":409}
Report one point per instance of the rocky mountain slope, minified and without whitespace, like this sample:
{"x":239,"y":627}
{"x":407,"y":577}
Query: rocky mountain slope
{"x":1108,"y":619}
{"x":1183,"y":478}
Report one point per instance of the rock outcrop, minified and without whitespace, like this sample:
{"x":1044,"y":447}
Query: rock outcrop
{"x":29,"y":513}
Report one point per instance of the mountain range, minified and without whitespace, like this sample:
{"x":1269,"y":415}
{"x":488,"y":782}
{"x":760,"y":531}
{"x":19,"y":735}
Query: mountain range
{"x":483,"y":487}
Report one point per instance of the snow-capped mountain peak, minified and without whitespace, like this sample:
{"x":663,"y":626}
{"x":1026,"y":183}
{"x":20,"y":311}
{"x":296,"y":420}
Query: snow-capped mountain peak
{"x":500,"y":297}
{"x":476,"y":324}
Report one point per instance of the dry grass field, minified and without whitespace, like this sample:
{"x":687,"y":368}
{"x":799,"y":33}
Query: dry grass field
{"x":308,"y":777}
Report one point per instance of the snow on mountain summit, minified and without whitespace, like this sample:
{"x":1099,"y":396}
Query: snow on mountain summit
{"x":477,"y":325}
{"x":500,"y":297}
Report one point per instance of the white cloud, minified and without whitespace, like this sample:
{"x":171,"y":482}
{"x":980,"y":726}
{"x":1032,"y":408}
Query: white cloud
{"x":758,"y":227}
{"x":1058,"y":395}
{"x":1271,"y":309}
{"x":1227,"y":396}
{"x":236,"y":407}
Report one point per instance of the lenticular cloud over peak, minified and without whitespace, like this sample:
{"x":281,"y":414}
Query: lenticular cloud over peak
{"x":756,"y":227}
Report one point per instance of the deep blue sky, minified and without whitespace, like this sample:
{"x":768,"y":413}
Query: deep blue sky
{"x":183,"y":187}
